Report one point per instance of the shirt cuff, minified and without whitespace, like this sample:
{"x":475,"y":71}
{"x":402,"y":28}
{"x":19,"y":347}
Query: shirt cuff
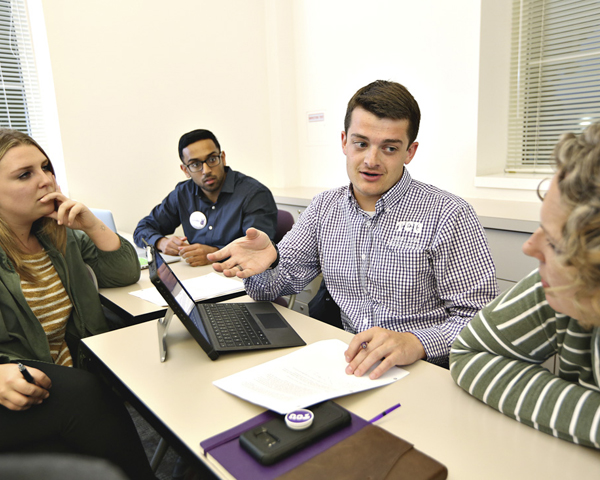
{"x":434,"y":343}
{"x":260,"y":287}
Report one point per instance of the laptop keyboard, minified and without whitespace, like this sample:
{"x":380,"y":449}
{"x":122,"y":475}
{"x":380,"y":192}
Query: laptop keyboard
{"x":234,"y":326}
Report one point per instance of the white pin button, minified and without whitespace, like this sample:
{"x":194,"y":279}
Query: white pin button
{"x":198,"y":220}
{"x":299,"y":419}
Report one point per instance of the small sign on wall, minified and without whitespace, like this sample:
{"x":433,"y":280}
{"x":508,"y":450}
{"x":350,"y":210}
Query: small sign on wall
{"x":316,"y":117}
{"x":316,"y":128}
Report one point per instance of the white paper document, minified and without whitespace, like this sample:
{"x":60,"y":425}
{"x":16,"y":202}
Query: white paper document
{"x":200,"y":288}
{"x":313,"y":374}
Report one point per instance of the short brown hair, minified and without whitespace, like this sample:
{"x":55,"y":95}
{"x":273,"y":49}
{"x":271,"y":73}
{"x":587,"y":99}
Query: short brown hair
{"x":387,"y":99}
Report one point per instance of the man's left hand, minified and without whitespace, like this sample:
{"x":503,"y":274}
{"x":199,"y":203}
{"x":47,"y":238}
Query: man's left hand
{"x":392,"y":348}
{"x":195,"y":254}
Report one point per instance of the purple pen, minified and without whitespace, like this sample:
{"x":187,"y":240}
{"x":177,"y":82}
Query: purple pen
{"x":383,"y":414}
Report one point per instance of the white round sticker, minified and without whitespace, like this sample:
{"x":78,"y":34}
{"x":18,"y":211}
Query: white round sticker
{"x":198,"y":220}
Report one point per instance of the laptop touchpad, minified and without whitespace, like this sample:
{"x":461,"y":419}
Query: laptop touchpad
{"x":271,"y":320}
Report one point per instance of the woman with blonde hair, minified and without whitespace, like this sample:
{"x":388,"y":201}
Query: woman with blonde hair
{"x":553,"y":311}
{"x":48,"y":302}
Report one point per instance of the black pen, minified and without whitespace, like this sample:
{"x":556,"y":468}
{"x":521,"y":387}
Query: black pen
{"x":26,"y":375}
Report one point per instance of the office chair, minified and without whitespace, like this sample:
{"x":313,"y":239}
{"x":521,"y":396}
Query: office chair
{"x":114,"y":321}
{"x":92,"y":276}
{"x":285,"y":222}
{"x":323,"y":307}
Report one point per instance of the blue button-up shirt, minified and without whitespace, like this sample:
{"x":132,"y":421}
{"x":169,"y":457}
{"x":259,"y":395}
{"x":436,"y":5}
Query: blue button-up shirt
{"x":243,"y":203}
{"x":420,"y":264}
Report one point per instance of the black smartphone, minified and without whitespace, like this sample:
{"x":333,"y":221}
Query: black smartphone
{"x":274,"y":440}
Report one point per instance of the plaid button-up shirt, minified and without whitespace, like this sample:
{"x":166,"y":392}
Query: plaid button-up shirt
{"x":419,"y":264}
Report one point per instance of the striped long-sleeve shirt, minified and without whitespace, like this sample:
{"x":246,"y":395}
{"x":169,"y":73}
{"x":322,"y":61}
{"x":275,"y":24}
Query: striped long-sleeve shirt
{"x":496,"y":358}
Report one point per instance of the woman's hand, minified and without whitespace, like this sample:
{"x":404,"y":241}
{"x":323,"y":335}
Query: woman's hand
{"x":69,"y":212}
{"x":77,"y":216}
{"x":16,"y":393}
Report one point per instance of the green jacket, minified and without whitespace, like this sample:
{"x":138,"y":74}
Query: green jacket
{"x":21,"y":334}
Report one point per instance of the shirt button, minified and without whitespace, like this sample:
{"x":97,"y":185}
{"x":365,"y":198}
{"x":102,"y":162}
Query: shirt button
{"x":213,"y":207}
{"x":363,"y":256}
{"x":210,"y":228}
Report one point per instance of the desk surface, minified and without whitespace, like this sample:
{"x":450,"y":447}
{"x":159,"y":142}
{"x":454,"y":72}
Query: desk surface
{"x":125,"y":305}
{"x":471,"y":439}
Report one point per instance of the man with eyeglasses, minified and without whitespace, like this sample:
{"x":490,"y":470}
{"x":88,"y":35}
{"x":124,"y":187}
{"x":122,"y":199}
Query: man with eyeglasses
{"x":217,"y":206}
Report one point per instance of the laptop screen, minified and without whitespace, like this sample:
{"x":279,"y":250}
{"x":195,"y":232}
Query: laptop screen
{"x":179,"y":293}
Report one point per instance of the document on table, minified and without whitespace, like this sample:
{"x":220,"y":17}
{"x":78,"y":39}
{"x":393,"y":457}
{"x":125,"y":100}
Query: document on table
{"x":313,"y":374}
{"x":200,"y":288}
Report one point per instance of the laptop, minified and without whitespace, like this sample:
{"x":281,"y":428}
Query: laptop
{"x":222,"y":327}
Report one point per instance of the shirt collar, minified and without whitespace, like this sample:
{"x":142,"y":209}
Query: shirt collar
{"x":229,"y":182}
{"x":228,"y":185}
{"x":389,"y":198}
{"x":395,"y":194}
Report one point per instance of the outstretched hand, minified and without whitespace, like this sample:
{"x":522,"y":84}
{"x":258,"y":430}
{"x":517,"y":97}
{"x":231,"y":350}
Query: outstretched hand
{"x":246,"y":256}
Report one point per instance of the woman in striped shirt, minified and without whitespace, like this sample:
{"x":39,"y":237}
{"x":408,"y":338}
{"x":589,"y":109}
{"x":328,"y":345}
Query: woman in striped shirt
{"x":48,"y":302}
{"x":553,"y":311}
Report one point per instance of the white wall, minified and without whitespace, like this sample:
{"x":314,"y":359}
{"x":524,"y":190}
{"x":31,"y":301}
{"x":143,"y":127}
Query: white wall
{"x":430,"y":46}
{"x":131,"y":76}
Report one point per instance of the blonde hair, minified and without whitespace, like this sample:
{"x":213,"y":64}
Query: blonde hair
{"x":47,"y":227}
{"x":577,"y":158}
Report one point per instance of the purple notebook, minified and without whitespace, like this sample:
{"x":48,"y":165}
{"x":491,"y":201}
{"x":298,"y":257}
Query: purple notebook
{"x":226,"y":449}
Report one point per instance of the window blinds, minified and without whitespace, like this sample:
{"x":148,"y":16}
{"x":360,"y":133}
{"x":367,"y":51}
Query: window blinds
{"x":554,"y":79}
{"x":20,"y":101}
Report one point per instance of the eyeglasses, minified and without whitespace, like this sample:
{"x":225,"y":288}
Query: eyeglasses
{"x":198,"y":165}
